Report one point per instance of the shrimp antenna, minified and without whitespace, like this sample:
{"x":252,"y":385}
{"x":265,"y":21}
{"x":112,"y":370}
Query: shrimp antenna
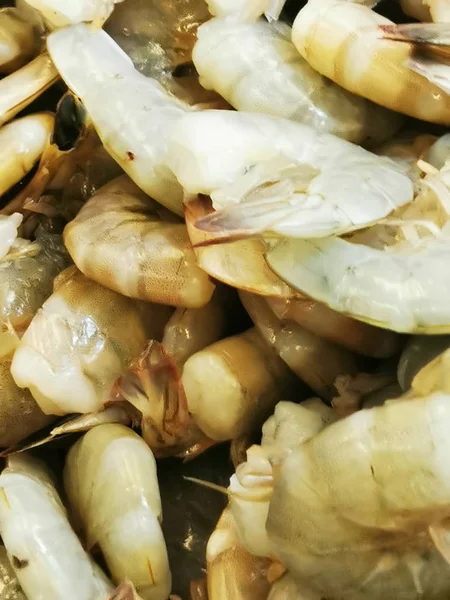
{"x":208,"y":484}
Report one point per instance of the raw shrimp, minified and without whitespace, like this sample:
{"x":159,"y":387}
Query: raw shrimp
{"x":111,"y":482}
{"x":26,"y":281}
{"x":427,"y":10}
{"x":285,"y":588}
{"x":20,"y":416}
{"x":356,"y":58}
{"x":315,"y":360}
{"x":315,"y":180}
{"x":418,"y":352}
{"x":133,"y":114}
{"x":393,"y":279}
{"x":19,"y":89}
{"x":46,"y":555}
{"x":246,"y":10}
{"x":240,"y":264}
{"x":80,"y":341}
{"x":224,"y":391}
{"x":21,"y":144}
{"x":256,"y":67}
{"x":9,"y":586}
{"x":8,"y":232}
{"x":132,"y":245}
{"x":17,"y":40}
{"x":61,"y":14}
{"x":335,"y":327}
{"x":232,"y":572}
{"x":439,"y":152}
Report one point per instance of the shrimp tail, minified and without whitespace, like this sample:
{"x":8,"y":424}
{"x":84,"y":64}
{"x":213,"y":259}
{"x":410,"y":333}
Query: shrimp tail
{"x":153,"y":386}
{"x":419,"y":34}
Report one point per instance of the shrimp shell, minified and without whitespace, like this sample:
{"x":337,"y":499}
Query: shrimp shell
{"x":111,"y":482}
{"x":131,"y":245}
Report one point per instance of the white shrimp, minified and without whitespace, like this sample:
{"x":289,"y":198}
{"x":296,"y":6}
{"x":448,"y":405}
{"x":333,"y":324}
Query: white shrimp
{"x":21,"y":144}
{"x":8,"y":232}
{"x":80,"y":341}
{"x":394,"y":279}
{"x":111,"y":482}
{"x":256,"y":68}
{"x":316,"y":180}
{"x":361,"y":61}
{"x":427,"y":10}
{"x":133,"y":114}
{"x":127,"y":242}
{"x":46,"y":555}
{"x":246,"y":10}
{"x":18,"y":41}
{"x":26,"y":84}
{"x":60,"y":13}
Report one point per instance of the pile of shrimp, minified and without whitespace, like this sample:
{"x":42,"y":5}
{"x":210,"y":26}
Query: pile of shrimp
{"x":224,"y":300}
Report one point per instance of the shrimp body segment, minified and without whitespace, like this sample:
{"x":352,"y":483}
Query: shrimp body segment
{"x":133,"y":115}
{"x":111,"y":481}
{"x":127,"y":242}
{"x":60,"y":14}
{"x":341,"y":40}
{"x":316,"y":181}
{"x":46,"y":555}
{"x":256,"y":68}
{"x":17,"y":40}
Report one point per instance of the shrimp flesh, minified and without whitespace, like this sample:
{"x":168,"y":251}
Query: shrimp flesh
{"x":285,"y":588}
{"x":314,"y":360}
{"x":20,"y":88}
{"x":17,"y":40}
{"x":62,"y":14}
{"x":427,"y":10}
{"x":316,"y":180}
{"x":20,"y":416}
{"x":8,"y":232}
{"x":111,"y":482}
{"x":139,"y":115}
{"x":232,"y":572}
{"x":240,"y":264}
{"x":354,"y":335}
{"x":418,"y":352}
{"x":80,"y":341}
{"x":47,"y":557}
{"x":132,"y":245}
{"x":246,"y":10}
{"x":26,"y":280}
{"x":256,"y":68}
{"x":359,"y":60}
{"x":21,"y":144}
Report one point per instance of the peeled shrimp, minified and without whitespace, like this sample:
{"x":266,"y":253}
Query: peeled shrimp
{"x":256,"y":68}
{"x":437,"y":154}
{"x":26,"y":279}
{"x":246,"y":10}
{"x":17,"y":40}
{"x":81,"y":340}
{"x":315,"y":360}
{"x":111,"y":482}
{"x":46,"y":555}
{"x":26,"y":84}
{"x":61,"y":14}
{"x":419,"y":351}
{"x":427,"y":10}
{"x":359,"y":60}
{"x":232,"y":572}
{"x":315,"y":179}
{"x":8,"y":232}
{"x":133,"y":115}
{"x":130,"y":244}
{"x":21,"y":144}
{"x":240,"y":264}
{"x":20,"y":416}
{"x":335,"y":327}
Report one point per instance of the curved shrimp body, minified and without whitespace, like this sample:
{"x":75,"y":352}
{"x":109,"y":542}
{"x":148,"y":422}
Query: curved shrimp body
{"x":61,"y":14}
{"x":338,"y":328}
{"x":130,"y":244}
{"x":45,"y":553}
{"x":232,"y":572}
{"x":256,"y":68}
{"x":316,"y":180}
{"x":20,"y":416}
{"x":20,"y":88}
{"x":111,"y":482}
{"x":21,"y":144}
{"x":418,"y":9}
{"x":380,"y":540}
{"x":340,"y":40}
{"x":26,"y":281}
{"x":133,"y":114}
{"x":246,"y":10}
{"x":80,"y":341}
{"x":17,"y":40}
